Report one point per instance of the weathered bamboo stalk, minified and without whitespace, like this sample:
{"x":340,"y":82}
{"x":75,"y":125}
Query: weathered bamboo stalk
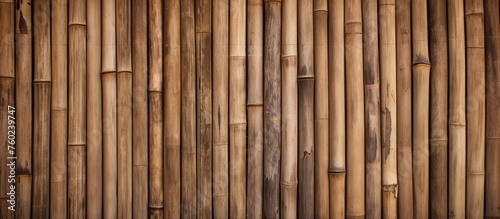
{"x":355,"y":176}
{"x":237,"y":108}
{"x":255,"y":107}
{"x":456,"y":123}
{"x":372,"y":110}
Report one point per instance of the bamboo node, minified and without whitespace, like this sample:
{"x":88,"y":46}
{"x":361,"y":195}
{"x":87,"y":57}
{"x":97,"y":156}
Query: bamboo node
{"x":393,"y":188}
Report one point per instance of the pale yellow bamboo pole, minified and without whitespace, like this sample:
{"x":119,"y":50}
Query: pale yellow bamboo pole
{"x":474,"y":21}
{"x":456,"y":123}
{"x":237,"y":109}
{"x":355,"y":175}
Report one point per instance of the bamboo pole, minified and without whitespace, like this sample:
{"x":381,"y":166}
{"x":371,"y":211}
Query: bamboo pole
{"x":355,"y":176}
{"x":255,"y":107}
{"x":438,"y":142}
{"x":492,"y":33}
{"x":403,"y":105}
{"x":456,"y":123}
{"x":372,"y":110}
{"x":237,"y":108}
{"x":336,"y":102}
{"x":305,"y":82}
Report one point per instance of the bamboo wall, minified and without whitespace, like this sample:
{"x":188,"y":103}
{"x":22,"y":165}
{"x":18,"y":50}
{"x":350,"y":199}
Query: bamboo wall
{"x":250,"y":108}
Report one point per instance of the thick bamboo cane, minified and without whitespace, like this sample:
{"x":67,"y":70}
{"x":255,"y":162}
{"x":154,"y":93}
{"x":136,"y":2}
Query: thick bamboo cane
{"x":255,"y":107}
{"x":492,"y":185}
{"x":372,"y":110}
{"x":456,"y":123}
{"x":355,"y":176}
{"x":305,"y":82}
{"x":237,"y":108}
{"x":336,"y":102}
{"x":474,"y":18}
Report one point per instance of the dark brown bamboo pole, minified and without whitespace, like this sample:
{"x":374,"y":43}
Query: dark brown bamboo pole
{"x":355,"y":176}
{"x":372,"y":110}
{"x":237,"y":109}
{"x":272,"y":108}
{"x":336,"y":102}
{"x":456,"y":123}
{"x":255,"y":107}
{"x":492,"y":33}
{"x":474,"y":21}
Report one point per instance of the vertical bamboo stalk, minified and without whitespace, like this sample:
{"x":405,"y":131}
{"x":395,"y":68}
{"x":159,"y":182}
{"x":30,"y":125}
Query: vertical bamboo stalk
{"x":372,"y":110}
{"x":456,"y":123}
{"x":492,"y":33}
{"x":305,"y":82}
{"x":255,"y":107}
{"x":237,"y":108}
{"x":355,"y":177}
{"x":336,"y":102}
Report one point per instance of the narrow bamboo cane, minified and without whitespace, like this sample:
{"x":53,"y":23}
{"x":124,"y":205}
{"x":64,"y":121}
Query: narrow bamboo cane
{"x":272,"y":107}
{"x":59,"y":110}
{"x":492,"y":33}
{"x":220,"y":114}
{"x":255,"y":43}
{"x":237,"y":108}
{"x":456,"y":123}
{"x":474,"y":18}
{"x":155,"y":93}
{"x":420,"y":107}
{"x":372,"y":110}
{"x":355,"y":176}
{"x":336,"y":102}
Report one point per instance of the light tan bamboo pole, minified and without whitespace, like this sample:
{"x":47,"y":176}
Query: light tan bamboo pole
{"x":188,"y":117}
{"x":474,"y":18}
{"x":372,"y":110}
{"x":403,"y":105}
{"x":237,"y":108}
{"x":155,"y":93}
{"x":220,"y":114}
{"x":336,"y":102}
{"x":272,"y":107}
{"x":492,"y":33}
{"x":420,"y":105}
{"x":59,"y":110}
{"x":438,"y":142}
{"x":140,"y":109}
{"x":355,"y":175}
{"x":41,"y":108}
{"x":456,"y":123}
{"x":255,"y":108}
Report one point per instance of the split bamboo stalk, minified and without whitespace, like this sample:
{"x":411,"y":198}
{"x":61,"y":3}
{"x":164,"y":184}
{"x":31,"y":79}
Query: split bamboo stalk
{"x":272,"y":107}
{"x":155,"y":93}
{"x":355,"y":176}
{"x":255,"y":107}
{"x":305,"y":82}
{"x":372,"y":110}
{"x":237,"y":108}
{"x":387,"y":22}
{"x":109,"y":114}
{"x":220,"y":114}
{"x":289,"y":121}
{"x":492,"y":33}
{"x":420,"y":106}
{"x":438,"y":142}
{"x":124,"y":106}
{"x":403,"y":109}
{"x":59,"y":110}
{"x":474,"y":18}
{"x":188,"y":117}
{"x":336,"y":102}
{"x":140,"y":109}
{"x":456,"y":123}
{"x":41,"y":108}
